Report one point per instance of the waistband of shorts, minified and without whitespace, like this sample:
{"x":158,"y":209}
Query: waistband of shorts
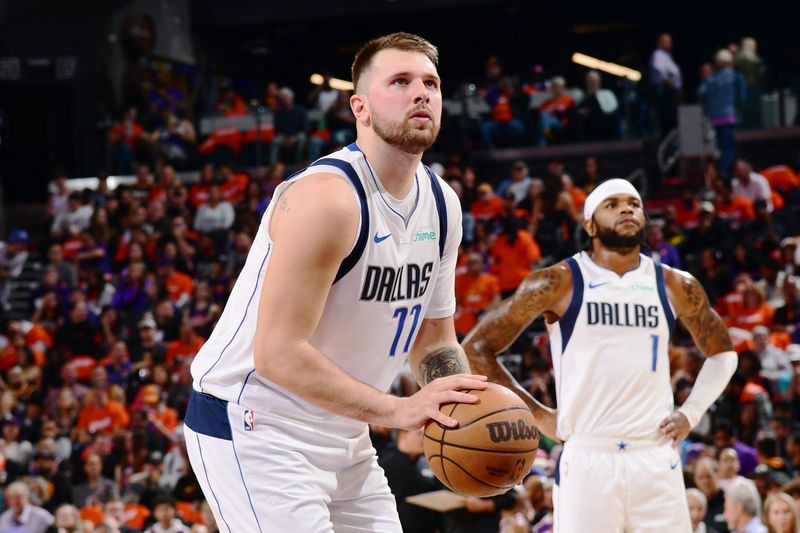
{"x":605,"y":444}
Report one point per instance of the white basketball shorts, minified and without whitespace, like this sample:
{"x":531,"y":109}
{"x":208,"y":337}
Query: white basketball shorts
{"x":262,"y":473}
{"x":615,"y":486}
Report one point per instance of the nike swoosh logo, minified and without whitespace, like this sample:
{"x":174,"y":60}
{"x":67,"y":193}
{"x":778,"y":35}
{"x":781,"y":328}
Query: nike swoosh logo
{"x":593,"y":285}
{"x":672,"y":467}
{"x":379,"y":240}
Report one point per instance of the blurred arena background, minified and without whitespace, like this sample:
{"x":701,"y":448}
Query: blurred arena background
{"x":140,"y":142}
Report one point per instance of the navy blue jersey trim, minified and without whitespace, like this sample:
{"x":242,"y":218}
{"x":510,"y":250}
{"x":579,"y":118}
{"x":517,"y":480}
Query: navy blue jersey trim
{"x":208,"y":415}
{"x":662,"y":294}
{"x":441,"y":207}
{"x":567,"y":322}
{"x":363,"y":236}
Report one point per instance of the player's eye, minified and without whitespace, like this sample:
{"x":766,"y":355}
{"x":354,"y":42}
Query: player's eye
{"x":433,"y":84}
{"x":400,"y":81}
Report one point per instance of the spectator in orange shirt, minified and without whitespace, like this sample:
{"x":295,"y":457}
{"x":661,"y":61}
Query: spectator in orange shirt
{"x":475,"y":291}
{"x":554,"y":114}
{"x":487,"y":206}
{"x":687,"y":207}
{"x":736,"y":209}
{"x":184,"y":347}
{"x":164,"y":418}
{"x":233,"y":185}
{"x":514,"y":253}
{"x":178,"y":285}
{"x":100,"y":415}
{"x":229,"y":103}
{"x":127,"y":139}
{"x":745,"y":308}
{"x":508,"y":106}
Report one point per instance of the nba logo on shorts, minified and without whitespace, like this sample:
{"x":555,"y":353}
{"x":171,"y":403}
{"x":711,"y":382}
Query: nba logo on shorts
{"x":249,"y":420}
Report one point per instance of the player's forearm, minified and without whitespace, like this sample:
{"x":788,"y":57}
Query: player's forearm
{"x":308,"y":373}
{"x":439,"y":362}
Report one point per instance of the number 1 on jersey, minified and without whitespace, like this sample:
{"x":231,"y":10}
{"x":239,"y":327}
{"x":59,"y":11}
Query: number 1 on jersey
{"x":402,"y":312}
{"x":655,"y":350}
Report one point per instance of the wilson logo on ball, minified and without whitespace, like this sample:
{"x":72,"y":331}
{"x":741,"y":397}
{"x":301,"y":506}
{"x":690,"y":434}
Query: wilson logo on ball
{"x":506,"y":431}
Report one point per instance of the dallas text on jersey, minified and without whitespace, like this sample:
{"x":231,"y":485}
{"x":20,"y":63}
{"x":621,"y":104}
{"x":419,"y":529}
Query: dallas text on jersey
{"x":388,"y":284}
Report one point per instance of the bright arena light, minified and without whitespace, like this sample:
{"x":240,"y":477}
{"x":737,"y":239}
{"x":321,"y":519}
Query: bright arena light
{"x":605,"y":66}
{"x":336,"y":83}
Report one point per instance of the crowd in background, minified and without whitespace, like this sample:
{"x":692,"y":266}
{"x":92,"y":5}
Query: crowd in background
{"x":95,"y":378}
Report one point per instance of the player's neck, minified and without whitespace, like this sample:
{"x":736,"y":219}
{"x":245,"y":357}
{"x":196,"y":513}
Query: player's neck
{"x":395,"y":168}
{"x":618,"y":261}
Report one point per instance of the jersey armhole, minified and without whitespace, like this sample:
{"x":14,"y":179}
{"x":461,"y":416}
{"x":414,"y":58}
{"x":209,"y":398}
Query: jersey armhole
{"x":662,"y":295}
{"x":567,"y":322}
{"x":441,"y":207}
{"x":363,"y":233}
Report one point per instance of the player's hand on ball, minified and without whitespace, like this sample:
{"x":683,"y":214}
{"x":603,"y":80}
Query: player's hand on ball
{"x":413,"y":412}
{"x":675,"y":427}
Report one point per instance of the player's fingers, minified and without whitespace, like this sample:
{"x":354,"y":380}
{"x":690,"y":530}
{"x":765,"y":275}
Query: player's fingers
{"x":456,"y":397}
{"x":442,"y":418}
{"x":465,"y":381}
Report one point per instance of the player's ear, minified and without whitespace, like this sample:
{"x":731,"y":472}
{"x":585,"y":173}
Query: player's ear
{"x":589,"y":227}
{"x":360,"y":107}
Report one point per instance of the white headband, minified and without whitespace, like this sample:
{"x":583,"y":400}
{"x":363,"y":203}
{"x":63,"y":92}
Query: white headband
{"x":603,"y":191}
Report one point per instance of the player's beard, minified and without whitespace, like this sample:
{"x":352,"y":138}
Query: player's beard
{"x":406,"y":135}
{"x":616,"y":241}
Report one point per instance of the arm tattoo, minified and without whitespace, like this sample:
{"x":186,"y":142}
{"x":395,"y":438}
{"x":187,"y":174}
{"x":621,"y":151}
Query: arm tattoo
{"x":283,"y":204}
{"x":500,"y":326}
{"x":707,"y":328}
{"x":443,"y":362}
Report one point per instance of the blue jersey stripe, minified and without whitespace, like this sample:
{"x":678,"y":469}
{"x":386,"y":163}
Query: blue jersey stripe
{"x":441,"y":207}
{"x":662,"y":294}
{"x":363,"y":236}
{"x":567,"y":322}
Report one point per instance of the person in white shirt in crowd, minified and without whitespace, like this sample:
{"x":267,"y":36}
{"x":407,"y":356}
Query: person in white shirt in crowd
{"x":76,"y":218}
{"x":750,"y":184}
{"x":519,"y":183}
{"x":20,"y":514}
{"x":743,"y":508}
{"x":217,"y":214}
{"x":729,"y":466}
{"x":666,"y":82}
{"x":775,"y":364}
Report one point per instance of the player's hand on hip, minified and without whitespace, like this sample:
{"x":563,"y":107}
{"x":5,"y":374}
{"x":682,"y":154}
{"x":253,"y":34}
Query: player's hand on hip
{"x":675,"y":427}
{"x":416,"y":410}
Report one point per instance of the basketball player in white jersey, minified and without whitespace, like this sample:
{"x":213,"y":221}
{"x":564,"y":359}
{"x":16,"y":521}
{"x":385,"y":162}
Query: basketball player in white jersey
{"x":609,"y":313}
{"x":351,"y":273}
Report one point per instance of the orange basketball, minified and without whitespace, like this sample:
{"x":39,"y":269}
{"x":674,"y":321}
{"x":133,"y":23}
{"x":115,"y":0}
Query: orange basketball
{"x":491,"y":449}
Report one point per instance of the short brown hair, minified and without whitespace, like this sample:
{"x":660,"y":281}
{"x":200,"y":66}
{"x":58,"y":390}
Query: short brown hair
{"x":407,"y":42}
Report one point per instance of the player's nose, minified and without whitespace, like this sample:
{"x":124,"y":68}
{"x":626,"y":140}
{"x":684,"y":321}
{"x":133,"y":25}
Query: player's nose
{"x":420,"y":91}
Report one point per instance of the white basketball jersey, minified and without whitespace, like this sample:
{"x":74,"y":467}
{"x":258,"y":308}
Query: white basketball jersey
{"x":399,"y":272}
{"x":610,"y":352}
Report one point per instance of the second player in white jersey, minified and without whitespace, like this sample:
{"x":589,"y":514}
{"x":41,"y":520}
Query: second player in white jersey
{"x":610,"y":352}
{"x":610,"y":311}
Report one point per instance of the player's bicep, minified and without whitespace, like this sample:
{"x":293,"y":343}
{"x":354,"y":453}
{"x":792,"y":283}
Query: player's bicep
{"x":696,"y":314}
{"x":312,"y":230}
{"x":436,"y":352}
{"x":544,"y":290}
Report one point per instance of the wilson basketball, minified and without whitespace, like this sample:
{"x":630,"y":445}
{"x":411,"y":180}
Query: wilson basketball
{"x":491,"y":449}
